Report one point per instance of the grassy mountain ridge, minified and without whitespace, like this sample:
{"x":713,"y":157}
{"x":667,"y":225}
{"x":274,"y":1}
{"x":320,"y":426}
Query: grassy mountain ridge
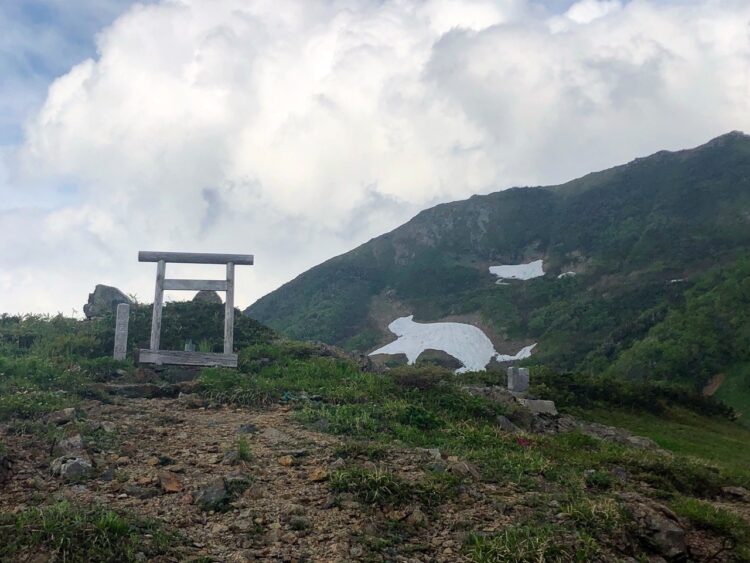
{"x":628,"y":233}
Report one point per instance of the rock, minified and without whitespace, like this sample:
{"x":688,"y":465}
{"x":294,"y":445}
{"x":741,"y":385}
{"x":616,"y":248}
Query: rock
{"x":435,"y":453}
{"x":6,"y":465}
{"x":286,"y":460}
{"x":338,"y":464}
{"x":71,"y":467}
{"x":463,"y":468}
{"x":539,"y":406}
{"x":108,"y":427}
{"x":207,"y":296}
{"x":617,"y":436}
{"x":318,"y":474}
{"x":657,"y":527}
{"x":736,"y":493}
{"x":506,"y":425}
{"x":140,"y":492}
{"x":142,"y":390}
{"x":169,"y":482}
{"x":104,"y":300}
{"x":274,"y":436}
{"x":62,"y":417}
{"x":248,"y":428}
{"x":213,"y":496}
{"x":122,"y":460}
{"x":416,"y":518}
{"x":70,"y":446}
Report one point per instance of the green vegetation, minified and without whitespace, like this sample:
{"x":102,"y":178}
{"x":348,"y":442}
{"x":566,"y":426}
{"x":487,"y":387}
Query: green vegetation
{"x":660,"y":247}
{"x":244,"y":453}
{"x":710,"y":517}
{"x":82,"y":534}
{"x":735,"y":391}
{"x":716,"y":440}
{"x":52,"y":362}
{"x":381,"y":486}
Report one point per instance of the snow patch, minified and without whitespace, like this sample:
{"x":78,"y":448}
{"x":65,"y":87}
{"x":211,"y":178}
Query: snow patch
{"x":467,"y":343}
{"x":522,"y":354}
{"x":566,"y":275}
{"x":518,"y":271}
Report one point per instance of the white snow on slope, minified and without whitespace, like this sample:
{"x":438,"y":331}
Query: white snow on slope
{"x":518,"y":271}
{"x":467,"y":343}
{"x":522,"y":354}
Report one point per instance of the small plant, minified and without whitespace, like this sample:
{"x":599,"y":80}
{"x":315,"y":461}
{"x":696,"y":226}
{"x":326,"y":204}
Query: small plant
{"x":520,"y":544}
{"x":243,"y":449}
{"x":367,"y":450}
{"x":205,"y":346}
{"x":377,"y":486}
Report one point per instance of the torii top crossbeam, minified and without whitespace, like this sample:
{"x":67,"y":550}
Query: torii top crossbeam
{"x":154,"y":354}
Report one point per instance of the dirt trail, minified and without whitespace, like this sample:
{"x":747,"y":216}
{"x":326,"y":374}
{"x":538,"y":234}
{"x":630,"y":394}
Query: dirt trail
{"x":287,"y":514}
{"x":713,"y":385}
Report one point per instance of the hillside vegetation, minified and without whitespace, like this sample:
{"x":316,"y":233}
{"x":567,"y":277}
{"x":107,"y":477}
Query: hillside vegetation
{"x":301,"y":455}
{"x":659,"y":248}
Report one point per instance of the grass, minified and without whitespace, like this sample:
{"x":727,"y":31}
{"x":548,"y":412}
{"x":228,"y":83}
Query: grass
{"x":244,"y":453}
{"x":735,"y":391}
{"x":719,"y":520}
{"x":519,"y":544}
{"x":82,"y":534}
{"x":713,"y":439}
{"x":382,"y":487}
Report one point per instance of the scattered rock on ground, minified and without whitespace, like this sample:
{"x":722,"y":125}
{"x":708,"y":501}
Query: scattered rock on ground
{"x":169,"y":482}
{"x":71,"y":467}
{"x":212,"y":496}
{"x":62,"y":417}
{"x":736,"y":493}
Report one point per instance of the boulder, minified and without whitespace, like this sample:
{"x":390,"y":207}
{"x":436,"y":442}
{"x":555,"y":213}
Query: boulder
{"x":70,"y":446}
{"x":540,"y":406}
{"x":207,"y":296}
{"x":213,"y":496}
{"x":657,"y":527}
{"x":62,"y":417}
{"x":104,"y":300}
{"x":71,"y":467}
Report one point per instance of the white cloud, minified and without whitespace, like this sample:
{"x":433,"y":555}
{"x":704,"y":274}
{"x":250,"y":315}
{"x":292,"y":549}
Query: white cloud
{"x":296,"y":130}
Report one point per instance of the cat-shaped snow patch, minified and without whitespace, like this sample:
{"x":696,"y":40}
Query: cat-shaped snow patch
{"x":467,"y":343}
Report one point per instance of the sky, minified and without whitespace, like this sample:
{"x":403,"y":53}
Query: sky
{"x":296,"y":130}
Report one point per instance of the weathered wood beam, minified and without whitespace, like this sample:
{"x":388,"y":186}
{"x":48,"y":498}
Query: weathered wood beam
{"x":121,"y":331}
{"x":187,"y":358}
{"x":195,"y":285}
{"x":158,"y":298}
{"x":229,"y":311}
{"x":195,"y":258}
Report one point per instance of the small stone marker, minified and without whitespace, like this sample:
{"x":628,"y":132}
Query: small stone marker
{"x":518,"y":380}
{"x":121,"y":331}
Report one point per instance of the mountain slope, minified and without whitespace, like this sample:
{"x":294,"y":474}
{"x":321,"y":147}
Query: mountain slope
{"x":637,"y":236}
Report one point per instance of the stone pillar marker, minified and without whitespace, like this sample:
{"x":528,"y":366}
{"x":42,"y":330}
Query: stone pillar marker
{"x":121,"y":331}
{"x":518,"y":380}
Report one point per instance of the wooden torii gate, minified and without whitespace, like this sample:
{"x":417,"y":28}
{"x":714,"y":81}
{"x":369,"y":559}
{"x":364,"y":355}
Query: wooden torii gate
{"x":156,"y":356}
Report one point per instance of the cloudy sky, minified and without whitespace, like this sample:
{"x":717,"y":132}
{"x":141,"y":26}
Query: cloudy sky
{"x":298,"y":129}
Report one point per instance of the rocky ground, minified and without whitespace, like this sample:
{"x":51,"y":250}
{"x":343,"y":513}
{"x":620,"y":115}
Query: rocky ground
{"x":172,"y":460}
{"x":246,"y":484}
